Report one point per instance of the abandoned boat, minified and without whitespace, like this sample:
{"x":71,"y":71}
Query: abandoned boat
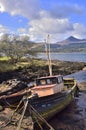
{"x":12,"y":99}
{"x":52,"y":94}
{"x":12,"y":86}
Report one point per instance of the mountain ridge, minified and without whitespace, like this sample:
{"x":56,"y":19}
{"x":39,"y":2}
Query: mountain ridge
{"x":71,"y":44}
{"x":70,"y":40}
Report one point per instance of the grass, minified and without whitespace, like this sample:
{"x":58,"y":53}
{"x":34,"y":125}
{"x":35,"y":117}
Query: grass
{"x":65,"y":67}
{"x":4,"y":58}
{"x":6,"y":65}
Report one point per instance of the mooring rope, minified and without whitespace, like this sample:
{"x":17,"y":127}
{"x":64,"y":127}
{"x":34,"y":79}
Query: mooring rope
{"x":40,"y":117}
{"x":9,"y":103}
{"x":19,"y":125}
{"x":36,"y":121}
{"x":36,"y":115}
{"x":4,"y":125}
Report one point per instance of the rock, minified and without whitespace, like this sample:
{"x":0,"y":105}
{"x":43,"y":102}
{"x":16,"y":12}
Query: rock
{"x":82,"y":86}
{"x":1,"y":108}
{"x":84,"y":68}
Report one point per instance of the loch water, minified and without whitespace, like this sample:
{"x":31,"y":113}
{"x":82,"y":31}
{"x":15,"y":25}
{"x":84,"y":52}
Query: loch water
{"x":74,"y":56}
{"x":73,"y":117}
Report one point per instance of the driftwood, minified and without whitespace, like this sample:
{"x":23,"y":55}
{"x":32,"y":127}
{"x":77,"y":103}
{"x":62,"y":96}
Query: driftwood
{"x":11,"y":86}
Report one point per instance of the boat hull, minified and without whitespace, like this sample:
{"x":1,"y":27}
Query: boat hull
{"x":51,"y":105}
{"x":47,"y":106}
{"x":13,"y":99}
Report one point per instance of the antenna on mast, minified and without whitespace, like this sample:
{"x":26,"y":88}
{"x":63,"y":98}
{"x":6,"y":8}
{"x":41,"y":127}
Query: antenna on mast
{"x":47,"y":49}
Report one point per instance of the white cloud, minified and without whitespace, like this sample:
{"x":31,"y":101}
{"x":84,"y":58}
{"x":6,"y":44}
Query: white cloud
{"x":64,"y":10}
{"x":32,"y":9}
{"x":1,"y":8}
{"x":3,"y":29}
{"x":22,"y":30}
{"x":27,"y":8}
{"x":54,"y":21}
{"x":79,"y":30}
{"x":57,"y":28}
{"x":50,"y":26}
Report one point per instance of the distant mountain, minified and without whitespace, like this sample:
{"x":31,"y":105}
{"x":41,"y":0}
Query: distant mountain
{"x":71,"y":40}
{"x":71,"y":44}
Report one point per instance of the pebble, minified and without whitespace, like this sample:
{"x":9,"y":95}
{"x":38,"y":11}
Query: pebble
{"x":1,"y":108}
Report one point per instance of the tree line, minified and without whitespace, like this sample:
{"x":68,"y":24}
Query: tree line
{"x":15,"y":47}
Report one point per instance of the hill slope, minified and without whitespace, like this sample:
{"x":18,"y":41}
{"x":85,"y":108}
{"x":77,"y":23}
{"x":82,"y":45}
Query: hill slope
{"x":71,"y":44}
{"x":72,"y":40}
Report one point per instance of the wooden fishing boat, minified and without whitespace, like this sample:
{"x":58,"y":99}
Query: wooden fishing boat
{"x":49,"y":96}
{"x":12,"y":86}
{"x":12,"y":100}
{"x":52,"y":94}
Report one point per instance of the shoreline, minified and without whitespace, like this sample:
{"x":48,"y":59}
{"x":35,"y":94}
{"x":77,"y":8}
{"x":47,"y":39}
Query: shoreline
{"x":82,"y":86}
{"x":31,"y":72}
{"x":39,"y":67}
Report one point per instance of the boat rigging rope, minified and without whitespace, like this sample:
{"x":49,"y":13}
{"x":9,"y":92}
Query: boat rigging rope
{"x":19,"y":125}
{"x":36,"y":115}
{"x":9,"y":103}
{"x":4,"y":125}
{"x":40,"y":117}
{"x":38,"y":122}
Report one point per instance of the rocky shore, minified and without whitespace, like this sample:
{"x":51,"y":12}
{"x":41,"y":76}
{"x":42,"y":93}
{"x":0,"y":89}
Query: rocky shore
{"x":82,"y":86}
{"x":28,"y":74}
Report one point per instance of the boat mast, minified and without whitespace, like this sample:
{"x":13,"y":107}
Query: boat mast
{"x":47,"y":49}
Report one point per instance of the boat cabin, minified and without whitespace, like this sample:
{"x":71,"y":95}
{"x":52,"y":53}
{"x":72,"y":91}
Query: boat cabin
{"x":48,"y":85}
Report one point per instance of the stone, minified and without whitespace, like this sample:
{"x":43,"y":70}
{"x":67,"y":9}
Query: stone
{"x":1,"y":108}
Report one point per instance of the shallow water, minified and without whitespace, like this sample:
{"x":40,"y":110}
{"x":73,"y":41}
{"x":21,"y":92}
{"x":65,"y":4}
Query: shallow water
{"x":73,"y":117}
{"x":79,"y":76}
{"x":73,"y":56}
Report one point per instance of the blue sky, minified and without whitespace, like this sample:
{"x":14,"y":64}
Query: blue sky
{"x":38,"y":18}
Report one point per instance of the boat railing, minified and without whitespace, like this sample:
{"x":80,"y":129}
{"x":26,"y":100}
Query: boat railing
{"x":69,"y":83}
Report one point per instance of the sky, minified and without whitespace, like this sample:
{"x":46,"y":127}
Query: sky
{"x":38,"y":18}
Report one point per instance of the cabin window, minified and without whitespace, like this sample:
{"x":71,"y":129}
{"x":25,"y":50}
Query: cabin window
{"x":49,"y":81}
{"x":46,"y":81}
{"x":54,"y":81}
{"x":60,"y":79}
{"x":42,"y":82}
